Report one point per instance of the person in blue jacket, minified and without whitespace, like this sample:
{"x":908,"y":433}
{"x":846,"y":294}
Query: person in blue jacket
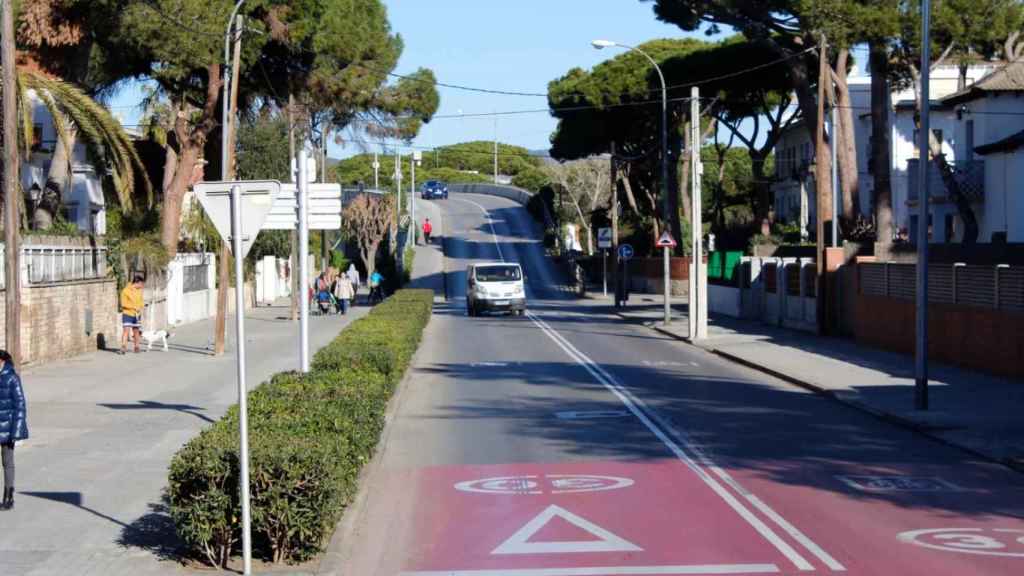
{"x":12,"y":423}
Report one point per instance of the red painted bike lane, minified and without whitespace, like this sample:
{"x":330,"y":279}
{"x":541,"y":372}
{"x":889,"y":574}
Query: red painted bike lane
{"x":600,"y":518}
{"x":912,"y":520}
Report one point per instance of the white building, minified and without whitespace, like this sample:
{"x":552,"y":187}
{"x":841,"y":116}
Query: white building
{"x":83,"y":201}
{"x":794,"y":189}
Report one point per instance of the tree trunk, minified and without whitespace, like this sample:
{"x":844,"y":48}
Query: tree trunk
{"x":630,"y":198}
{"x":761,"y":188}
{"x":58,"y":179}
{"x":170,"y":224}
{"x":223,"y":281}
{"x":880,"y":159}
{"x":673,"y":218}
{"x":846,"y":146}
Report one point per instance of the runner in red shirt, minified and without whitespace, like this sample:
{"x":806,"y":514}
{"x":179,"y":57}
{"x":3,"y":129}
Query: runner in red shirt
{"x":427,"y":229}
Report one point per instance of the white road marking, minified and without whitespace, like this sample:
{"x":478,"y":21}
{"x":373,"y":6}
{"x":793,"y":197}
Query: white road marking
{"x":968,"y":540}
{"x":489,"y":364}
{"x":698,"y":569}
{"x":633,"y":404}
{"x":590,"y":414}
{"x":555,"y":483}
{"x":501,"y":485}
{"x":899,"y":484}
{"x":518,"y":543}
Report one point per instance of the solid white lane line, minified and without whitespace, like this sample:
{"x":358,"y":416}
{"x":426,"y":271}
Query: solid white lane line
{"x":494,"y":236}
{"x":613,"y":571}
{"x":633,"y":404}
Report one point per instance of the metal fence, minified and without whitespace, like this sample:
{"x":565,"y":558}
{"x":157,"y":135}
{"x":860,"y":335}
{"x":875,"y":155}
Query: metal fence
{"x":1000,"y":287}
{"x":51,"y":264}
{"x":195,"y":278}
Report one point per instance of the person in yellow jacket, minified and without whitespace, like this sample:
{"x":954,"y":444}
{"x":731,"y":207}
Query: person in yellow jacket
{"x":131,"y":313}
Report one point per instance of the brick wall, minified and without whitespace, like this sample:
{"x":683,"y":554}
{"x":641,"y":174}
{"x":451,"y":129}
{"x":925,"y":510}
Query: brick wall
{"x":981,"y":339}
{"x":55,"y":319}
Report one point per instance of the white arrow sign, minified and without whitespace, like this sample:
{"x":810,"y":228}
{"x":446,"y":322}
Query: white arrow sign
{"x":257,"y":200}
{"x":604,"y":237}
{"x":324,"y":208}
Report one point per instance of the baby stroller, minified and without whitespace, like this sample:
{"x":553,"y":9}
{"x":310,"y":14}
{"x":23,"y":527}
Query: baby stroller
{"x":325,"y":302}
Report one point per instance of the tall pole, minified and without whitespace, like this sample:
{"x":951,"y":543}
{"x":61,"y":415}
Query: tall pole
{"x":835,"y":175}
{"x":698,"y":317}
{"x":302,"y":196}
{"x":921,"y":344}
{"x":412,"y":196}
{"x":243,"y":412}
{"x":12,"y":220}
{"x":376,"y":172}
{"x":495,"y":149}
{"x":821,"y":179}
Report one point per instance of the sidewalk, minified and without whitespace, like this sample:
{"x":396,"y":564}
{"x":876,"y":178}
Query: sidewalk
{"x":103,"y":429}
{"x":974,"y":411}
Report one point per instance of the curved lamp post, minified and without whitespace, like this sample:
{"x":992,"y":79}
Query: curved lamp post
{"x":600,"y":45}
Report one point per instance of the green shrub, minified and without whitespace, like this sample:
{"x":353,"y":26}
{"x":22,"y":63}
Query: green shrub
{"x":309,"y":437}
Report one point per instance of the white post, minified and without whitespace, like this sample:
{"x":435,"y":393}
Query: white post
{"x":243,"y":415}
{"x":302,"y":197}
{"x":698,"y":317}
{"x":376,"y":172}
{"x":412,"y":197}
{"x":495,"y":149}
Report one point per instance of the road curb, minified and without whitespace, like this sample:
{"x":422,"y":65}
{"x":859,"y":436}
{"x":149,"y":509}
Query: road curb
{"x":1012,"y":463}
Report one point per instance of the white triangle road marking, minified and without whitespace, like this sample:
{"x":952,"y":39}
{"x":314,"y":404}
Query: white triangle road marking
{"x":608,"y":542}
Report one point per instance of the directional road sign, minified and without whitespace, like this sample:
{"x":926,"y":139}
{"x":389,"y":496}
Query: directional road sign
{"x":604,"y":237}
{"x":666,"y":240}
{"x":324,"y":208}
{"x":625,"y":251}
{"x":257,"y":200}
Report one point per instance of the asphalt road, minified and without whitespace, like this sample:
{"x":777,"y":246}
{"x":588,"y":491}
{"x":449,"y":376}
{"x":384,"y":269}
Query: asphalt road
{"x":570,"y":443}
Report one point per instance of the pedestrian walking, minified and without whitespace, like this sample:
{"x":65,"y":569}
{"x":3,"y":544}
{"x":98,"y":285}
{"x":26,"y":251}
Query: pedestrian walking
{"x":343,"y":293}
{"x":353,"y":276}
{"x":131,"y":313}
{"x":13,"y":426}
{"x":428,"y":228}
{"x":376,"y":287}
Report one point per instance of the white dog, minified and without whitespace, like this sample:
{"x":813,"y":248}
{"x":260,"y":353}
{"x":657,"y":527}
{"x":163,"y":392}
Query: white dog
{"x":153,"y":336}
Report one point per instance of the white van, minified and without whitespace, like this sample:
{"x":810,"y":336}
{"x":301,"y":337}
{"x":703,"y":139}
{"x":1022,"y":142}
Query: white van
{"x":495,"y":286}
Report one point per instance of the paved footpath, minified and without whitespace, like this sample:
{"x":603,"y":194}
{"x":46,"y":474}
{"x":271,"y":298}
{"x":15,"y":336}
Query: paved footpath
{"x":968,"y":409}
{"x":104,"y":428}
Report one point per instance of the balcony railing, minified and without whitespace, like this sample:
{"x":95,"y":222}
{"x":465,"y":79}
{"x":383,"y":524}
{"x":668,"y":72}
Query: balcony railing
{"x":969,"y":173}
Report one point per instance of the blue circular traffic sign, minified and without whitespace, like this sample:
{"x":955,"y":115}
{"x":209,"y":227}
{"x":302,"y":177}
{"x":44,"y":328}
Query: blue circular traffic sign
{"x":625,"y":251}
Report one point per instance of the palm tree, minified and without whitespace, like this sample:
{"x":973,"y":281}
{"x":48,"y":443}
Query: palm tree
{"x":77,"y":116}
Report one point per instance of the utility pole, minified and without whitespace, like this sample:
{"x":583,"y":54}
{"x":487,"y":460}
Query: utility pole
{"x":698,"y":316}
{"x":821,"y":177}
{"x":924,"y":133}
{"x":293,"y":235}
{"x":615,"y":199}
{"x":495,"y":149}
{"x":12,"y":219}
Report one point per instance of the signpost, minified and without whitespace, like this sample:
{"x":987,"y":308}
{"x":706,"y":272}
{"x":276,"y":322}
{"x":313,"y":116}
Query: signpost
{"x":622,"y":282}
{"x":235,"y":207}
{"x":666,"y":242}
{"x":325,"y":206}
{"x":604,"y":242}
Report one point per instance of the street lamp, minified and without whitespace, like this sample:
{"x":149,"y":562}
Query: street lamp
{"x":600,"y":45}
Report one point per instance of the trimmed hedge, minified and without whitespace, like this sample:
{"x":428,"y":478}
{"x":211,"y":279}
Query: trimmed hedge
{"x":309,"y":436}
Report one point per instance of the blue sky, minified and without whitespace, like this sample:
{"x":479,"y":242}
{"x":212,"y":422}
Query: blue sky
{"x":518,"y":46}
{"x":513,"y":46}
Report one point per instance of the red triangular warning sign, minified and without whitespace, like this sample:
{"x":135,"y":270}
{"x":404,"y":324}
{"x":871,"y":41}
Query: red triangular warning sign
{"x":666,"y":240}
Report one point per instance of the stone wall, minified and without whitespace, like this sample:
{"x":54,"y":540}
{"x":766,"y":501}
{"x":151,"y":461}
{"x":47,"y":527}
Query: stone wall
{"x":67,"y":319}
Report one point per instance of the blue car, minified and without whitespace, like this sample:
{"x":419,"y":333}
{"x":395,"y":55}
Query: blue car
{"x":434,"y":189}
